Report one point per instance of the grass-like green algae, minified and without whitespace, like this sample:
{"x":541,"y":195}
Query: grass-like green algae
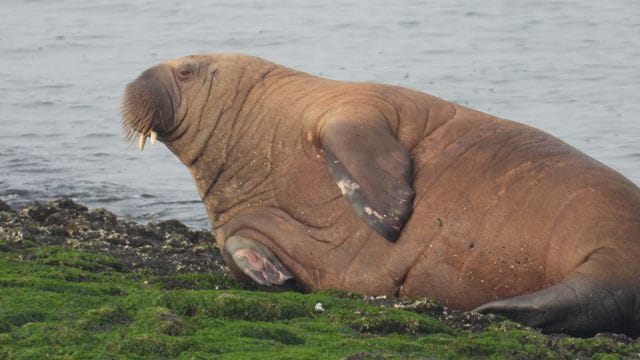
{"x":57,"y":301}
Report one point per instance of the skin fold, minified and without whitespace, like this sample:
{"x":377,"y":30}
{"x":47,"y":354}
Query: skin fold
{"x":379,"y":189}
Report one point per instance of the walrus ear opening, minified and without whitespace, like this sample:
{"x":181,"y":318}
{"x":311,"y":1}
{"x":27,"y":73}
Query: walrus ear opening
{"x":255,"y":264}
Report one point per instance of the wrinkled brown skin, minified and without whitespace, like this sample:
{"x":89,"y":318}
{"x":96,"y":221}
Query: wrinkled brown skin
{"x":500,"y":209}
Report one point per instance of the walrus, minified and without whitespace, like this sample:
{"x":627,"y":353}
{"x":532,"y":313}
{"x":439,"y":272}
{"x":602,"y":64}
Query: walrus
{"x":311,"y":183}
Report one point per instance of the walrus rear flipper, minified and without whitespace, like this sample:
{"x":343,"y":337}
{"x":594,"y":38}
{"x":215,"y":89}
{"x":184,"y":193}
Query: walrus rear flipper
{"x":255,"y":263}
{"x":373,"y":171}
{"x":576,"y":305}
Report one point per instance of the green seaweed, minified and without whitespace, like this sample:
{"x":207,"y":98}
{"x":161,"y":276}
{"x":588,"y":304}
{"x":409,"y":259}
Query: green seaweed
{"x":61,"y":302}
{"x":54,"y":255}
{"x":196,"y":281}
{"x":51,"y":313}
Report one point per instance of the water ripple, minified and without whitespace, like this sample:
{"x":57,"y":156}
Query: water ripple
{"x":567,"y":67}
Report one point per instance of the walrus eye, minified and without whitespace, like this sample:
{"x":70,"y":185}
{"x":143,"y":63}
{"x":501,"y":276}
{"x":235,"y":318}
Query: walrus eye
{"x":185,"y":73}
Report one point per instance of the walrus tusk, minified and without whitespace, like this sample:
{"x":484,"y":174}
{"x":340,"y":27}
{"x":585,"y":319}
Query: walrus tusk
{"x":154,"y":137}
{"x":142,"y":141}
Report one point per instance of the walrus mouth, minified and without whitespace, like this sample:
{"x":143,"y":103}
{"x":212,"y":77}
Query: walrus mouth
{"x":147,"y":110}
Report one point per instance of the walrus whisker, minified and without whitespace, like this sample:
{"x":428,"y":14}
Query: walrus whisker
{"x":137,"y":118}
{"x":144,"y":113}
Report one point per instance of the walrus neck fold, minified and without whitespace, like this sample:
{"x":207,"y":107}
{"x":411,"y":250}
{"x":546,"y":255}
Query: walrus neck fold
{"x":223,"y":151}
{"x":234,"y":170}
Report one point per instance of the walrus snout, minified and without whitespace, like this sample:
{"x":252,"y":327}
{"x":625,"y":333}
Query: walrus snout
{"x":148,"y":105}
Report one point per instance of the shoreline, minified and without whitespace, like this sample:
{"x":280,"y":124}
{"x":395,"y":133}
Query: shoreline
{"x":158,"y":248}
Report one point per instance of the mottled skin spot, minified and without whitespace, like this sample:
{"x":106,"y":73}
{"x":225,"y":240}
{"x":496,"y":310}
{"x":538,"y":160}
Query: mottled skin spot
{"x":348,"y":187}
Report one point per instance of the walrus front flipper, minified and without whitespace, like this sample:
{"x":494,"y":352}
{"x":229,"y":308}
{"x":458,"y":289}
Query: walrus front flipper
{"x":249,"y":260}
{"x":576,"y":306}
{"x":373,"y":171}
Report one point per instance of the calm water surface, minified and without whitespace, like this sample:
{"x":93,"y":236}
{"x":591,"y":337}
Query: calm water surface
{"x":568,"y":67}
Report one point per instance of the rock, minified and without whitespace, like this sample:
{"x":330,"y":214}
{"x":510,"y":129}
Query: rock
{"x":5,"y":207}
{"x":160,"y":248}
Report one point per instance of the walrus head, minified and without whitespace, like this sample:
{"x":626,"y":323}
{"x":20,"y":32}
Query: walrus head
{"x":188,"y":103}
{"x":171,"y":101}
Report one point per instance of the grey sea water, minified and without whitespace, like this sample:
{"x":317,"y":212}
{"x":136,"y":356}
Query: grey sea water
{"x":571,"y":68}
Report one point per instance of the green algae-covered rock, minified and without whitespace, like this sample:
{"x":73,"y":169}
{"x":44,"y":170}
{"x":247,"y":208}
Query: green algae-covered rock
{"x":77,"y":283}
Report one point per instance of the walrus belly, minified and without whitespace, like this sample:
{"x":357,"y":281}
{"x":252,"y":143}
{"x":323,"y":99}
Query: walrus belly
{"x":510,"y":206}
